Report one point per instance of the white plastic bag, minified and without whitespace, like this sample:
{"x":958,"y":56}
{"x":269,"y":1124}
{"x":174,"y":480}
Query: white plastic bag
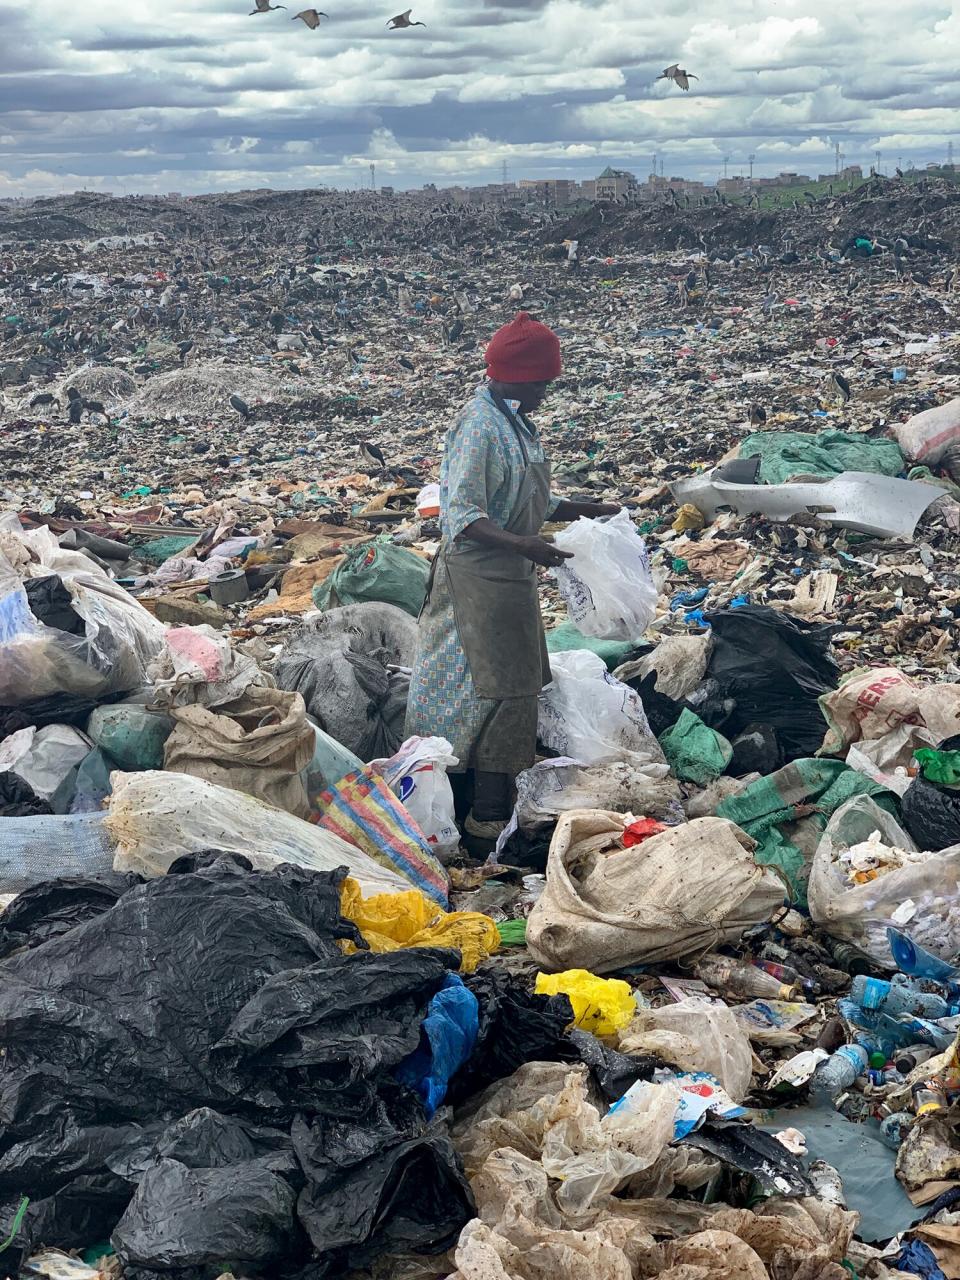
{"x":417,"y":776}
{"x":556,"y":786}
{"x":156,"y":818}
{"x":36,"y":661}
{"x":925,"y":895}
{"x":44,"y":757}
{"x":608,"y":585}
{"x":695,"y":1035}
{"x":589,"y":716}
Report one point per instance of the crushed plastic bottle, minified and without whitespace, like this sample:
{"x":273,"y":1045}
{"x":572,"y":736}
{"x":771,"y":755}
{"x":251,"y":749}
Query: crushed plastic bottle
{"x":840,"y":1070}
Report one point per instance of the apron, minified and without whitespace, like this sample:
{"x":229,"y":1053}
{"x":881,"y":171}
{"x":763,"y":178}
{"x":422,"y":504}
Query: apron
{"x":494,"y":593}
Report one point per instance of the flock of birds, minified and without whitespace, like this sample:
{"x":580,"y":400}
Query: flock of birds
{"x":311,"y":17}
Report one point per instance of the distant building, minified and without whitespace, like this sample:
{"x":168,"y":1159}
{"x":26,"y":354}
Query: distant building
{"x":851,"y":173}
{"x":386,"y":191}
{"x":737,"y":186}
{"x":614,"y":184}
{"x":588,"y":189}
{"x":553,"y":192}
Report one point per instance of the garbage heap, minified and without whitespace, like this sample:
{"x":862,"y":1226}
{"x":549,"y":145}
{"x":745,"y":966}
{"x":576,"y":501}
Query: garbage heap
{"x":698,"y":1015}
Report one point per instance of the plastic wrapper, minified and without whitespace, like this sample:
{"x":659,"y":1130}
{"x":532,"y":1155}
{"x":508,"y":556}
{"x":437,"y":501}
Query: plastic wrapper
{"x":390,"y":921}
{"x":559,"y":785}
{"x":118,"y":640}
{"x":695,"y":1035}
{"x":588,"y":716}
{"x":417,"y":775}
{"x":602,"y":1006}
{"x":156,"y":818}
{"x":921,"y":898}
{"x":608,"y":585}
{"x":680,"y":892}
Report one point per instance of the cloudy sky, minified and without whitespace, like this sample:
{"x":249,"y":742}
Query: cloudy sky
{"x":195,"y":95}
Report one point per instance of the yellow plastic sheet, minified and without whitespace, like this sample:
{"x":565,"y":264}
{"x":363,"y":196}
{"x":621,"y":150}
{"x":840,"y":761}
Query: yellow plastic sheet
{"x":391,"y":921}
{"x":601,"y":1005}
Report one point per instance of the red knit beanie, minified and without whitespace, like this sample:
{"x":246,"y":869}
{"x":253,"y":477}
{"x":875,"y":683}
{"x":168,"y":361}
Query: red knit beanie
{"x":524,"y":351}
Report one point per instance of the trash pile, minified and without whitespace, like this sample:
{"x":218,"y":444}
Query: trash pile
{"x":698,"y":1015}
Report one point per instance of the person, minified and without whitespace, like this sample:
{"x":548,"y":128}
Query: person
{"x":481,"y":657}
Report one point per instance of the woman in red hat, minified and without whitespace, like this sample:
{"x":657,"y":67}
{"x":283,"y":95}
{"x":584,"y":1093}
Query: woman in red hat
{"x":481,"y":659}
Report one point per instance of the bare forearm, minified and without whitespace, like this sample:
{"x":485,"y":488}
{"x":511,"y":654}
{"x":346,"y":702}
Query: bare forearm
{"x":541,"y":552}
{"x":489,"y":534}
{"x":591,"y":510}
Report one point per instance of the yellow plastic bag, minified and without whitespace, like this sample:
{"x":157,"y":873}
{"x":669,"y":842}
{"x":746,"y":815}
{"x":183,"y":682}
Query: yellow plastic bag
{"x":688,"y":517}
{"x":601,"y":1005}
{"x":390,"y":921}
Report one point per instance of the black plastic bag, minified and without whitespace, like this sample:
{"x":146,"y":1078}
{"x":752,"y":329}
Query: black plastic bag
{"x":753,"y":1151}
{"x":411,"y":1196}
{"x":52,"y":604}
{"x":613,"y":1072}
{"x":515,"y":1027}
{"x":18,"y":799}
{"x":118,"y":1016}
{"x":58,"y":708}
{"x":82,"y":1212}
{"x":753,"y":751}
{"x":50,"y":909}
{"x":774,"y":667}
{"x":215,"y":1189}
{"x":661,"y":711}
{"x":931,"y":812}
{"x":344,"y":1020}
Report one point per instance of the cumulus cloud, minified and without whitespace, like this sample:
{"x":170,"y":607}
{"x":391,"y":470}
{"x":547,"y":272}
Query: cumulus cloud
{"x":195,"y":95}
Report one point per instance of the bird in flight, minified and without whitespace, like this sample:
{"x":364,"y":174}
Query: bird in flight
{"x":403,"y":20}
{"x":678,"y":76}
{"x":264,"y":6}
{"x":311,"y":17}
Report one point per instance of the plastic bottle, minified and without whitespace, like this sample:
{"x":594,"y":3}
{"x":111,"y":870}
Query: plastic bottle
{"x":783,"y":973}
{"x":911,"y":1057}
{"x":827,"y":1183}
{"x":901,"y":995}
{"x":743,"y":980}
{"x":848,"y":957}
{"x":928,"y":1098}
{"x":894,"y":1128}
{"x":840,"y":1070}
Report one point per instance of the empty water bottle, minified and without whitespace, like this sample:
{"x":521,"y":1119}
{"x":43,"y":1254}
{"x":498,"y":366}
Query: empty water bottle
{"x":901,"y":995}
{"x":827,"y":1183}
{"x":841,"y":1069}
